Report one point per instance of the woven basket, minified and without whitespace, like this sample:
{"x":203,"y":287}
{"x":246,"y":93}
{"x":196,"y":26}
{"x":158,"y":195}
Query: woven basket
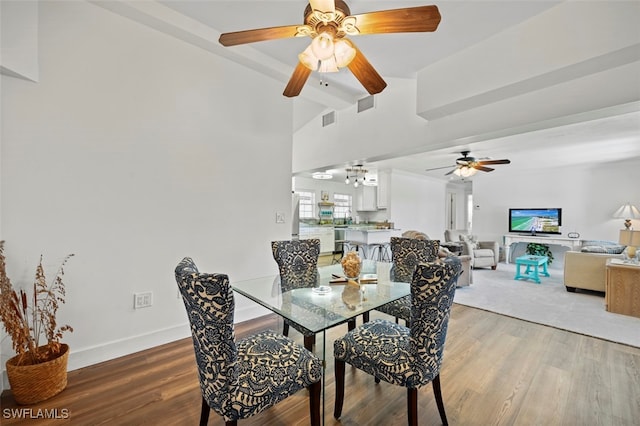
{"x":37,"y":382}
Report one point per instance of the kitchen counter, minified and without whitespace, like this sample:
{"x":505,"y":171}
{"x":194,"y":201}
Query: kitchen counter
{"x":367,"y":236}
{"x":370,"y":237}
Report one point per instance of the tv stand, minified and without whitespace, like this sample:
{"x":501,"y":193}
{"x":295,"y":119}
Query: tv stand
{"x":573,"y":243}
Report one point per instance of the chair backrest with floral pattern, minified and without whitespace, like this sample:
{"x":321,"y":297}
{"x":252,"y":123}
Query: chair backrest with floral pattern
{"x":407,"y":253}
{"x":432,"y":291}
{"x":297,"y":262}
{"x":208,"y":299}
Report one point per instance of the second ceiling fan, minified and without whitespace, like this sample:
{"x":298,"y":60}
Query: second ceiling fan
{"x":328,"y":22}
{"x":467,"y":166}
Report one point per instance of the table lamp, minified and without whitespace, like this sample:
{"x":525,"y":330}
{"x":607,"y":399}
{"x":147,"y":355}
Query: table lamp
{"x":627,"y":212}
{"x":631,"y":239}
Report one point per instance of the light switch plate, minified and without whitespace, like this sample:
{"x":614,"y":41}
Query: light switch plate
{"x":279,"y":217}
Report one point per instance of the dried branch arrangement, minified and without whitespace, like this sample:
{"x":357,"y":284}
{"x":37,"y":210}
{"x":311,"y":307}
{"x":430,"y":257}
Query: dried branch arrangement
{"x":27,"y":318}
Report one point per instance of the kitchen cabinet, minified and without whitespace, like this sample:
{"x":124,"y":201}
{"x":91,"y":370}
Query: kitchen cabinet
{"x":382,"y":196}
{"x":324,"y":233}
{"x":366,"y":199}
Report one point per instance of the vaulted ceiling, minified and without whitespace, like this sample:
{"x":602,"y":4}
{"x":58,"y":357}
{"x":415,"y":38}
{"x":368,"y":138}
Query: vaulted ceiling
{"x":463,"y":25}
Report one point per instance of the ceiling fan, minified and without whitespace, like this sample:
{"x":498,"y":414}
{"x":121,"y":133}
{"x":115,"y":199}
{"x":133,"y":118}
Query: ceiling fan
{"x":467,"y":166}
{"x":328,"y":23}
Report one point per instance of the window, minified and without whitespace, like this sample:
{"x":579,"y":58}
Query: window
{"x":342,"y":208}
{"x":307,"y":204}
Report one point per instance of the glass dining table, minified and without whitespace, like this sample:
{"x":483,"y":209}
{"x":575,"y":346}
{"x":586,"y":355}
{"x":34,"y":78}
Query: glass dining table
{"x":331,"y":302}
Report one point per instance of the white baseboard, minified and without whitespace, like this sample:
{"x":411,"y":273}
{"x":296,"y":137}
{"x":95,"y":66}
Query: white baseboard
{"x":84,"y":357}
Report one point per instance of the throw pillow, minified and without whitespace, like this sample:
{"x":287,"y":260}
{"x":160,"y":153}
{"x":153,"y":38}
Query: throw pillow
{"x":592,"y":249}
{"x":595,"y":246}
{"x":471,"y":239}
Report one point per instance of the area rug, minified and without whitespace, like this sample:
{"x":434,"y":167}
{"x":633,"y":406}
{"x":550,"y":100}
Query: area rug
{"x":547,"y":303}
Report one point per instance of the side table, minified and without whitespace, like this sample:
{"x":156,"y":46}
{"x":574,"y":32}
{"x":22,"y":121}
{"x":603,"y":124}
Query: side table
{"x":622,"y":286}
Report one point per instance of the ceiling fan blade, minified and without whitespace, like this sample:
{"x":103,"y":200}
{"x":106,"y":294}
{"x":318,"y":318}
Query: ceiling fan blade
{"x":262,"y":34}
{"x":406,"y":20}
{"x":482,"y":163}
{"x":482,"y":168}
{"x":437,"y":168}
{"x":297,"y":81}
{"x":451,"y":171}
{"x":366,"y":74}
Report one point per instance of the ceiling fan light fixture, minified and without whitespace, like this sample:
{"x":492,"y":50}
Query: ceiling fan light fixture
{"x":465,"y":171}
{"x":322,"y":46}
{"x":322,"y":175}
{"x":328,"y":65}
{"x":344,"y":53}
{"x":308,"y":59}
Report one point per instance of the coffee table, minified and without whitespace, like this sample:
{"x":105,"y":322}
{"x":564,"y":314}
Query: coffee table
{"x":533,"y":264}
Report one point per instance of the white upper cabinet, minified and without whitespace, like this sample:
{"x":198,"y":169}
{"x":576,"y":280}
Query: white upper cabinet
{"x":366,"y":199}
{"x":382,"y":199}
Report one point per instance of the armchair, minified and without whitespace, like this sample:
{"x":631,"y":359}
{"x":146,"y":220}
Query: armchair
{"x":483,"y":254}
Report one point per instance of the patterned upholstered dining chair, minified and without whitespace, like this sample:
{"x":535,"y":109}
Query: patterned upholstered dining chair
{"x":406,"y":254}
{"x":239,"y":379}
{"x":404,"y":356}
{"x":298,"y":266}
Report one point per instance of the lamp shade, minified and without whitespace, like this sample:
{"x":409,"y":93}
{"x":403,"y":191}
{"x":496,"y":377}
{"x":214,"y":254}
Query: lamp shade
{"x":328,"y":65}
{"x":308,"y":59}
{"x":344,"y":53}
{"x":627,"y":211}
{"x":629,"y":238}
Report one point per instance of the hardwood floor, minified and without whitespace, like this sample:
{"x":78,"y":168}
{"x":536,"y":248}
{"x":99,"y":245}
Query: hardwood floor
{"x":496,"y":370}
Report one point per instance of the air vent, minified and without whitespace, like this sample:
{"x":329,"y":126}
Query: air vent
{"x":328,"y":119}
{"x":365,"y":103}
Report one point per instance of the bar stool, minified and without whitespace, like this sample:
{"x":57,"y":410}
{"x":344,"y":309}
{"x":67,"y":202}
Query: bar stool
{"x":358,"y":247}
{"x":382,"y":252}
{"x":344,"y":244}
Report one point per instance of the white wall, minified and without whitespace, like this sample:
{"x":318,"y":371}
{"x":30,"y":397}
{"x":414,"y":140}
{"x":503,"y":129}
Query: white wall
{"x":132,"y":151}
{"x":417,"y":203}
{"x":391,"y":127}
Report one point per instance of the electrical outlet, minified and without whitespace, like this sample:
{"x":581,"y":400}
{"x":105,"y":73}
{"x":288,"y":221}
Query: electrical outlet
{"x":142,"y":300}
{"x":279,"y":217}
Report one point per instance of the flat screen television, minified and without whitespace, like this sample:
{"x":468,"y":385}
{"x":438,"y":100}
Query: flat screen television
{"x":535,"y":221}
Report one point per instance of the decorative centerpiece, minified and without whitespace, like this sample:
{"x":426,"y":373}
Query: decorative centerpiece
{"x":351,"y":265}
{"x":37,"y":371}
